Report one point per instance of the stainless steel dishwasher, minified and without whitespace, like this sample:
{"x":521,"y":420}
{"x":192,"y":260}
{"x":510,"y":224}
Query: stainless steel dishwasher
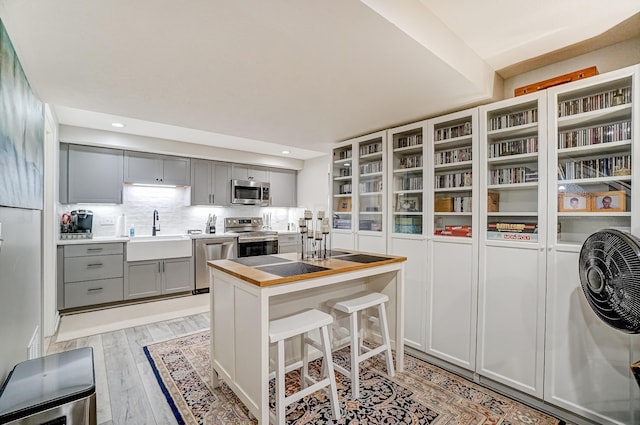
{"x":208,"y":249}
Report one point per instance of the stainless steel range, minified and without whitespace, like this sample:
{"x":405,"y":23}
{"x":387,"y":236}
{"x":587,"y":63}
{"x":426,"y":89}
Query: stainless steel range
{"x":252,"y":239}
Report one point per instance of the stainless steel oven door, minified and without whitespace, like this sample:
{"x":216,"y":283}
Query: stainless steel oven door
{"x":257,"y":246}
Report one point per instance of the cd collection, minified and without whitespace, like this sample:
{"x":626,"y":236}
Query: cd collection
{"x":594,"y":102}
{"x":513,"y":147}
{"x":595,"y":135}
{"x":514,"y":119}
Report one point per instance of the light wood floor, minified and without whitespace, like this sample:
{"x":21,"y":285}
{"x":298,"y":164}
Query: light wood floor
{"x":126,"y":389}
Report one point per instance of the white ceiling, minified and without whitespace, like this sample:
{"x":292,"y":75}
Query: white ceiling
{"x":264,"y":76}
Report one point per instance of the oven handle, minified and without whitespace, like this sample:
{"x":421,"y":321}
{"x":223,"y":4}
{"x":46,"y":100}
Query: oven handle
{"x":246,"y":239}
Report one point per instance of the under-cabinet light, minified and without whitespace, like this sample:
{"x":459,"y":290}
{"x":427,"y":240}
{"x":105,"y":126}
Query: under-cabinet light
{"x":117,"y":124}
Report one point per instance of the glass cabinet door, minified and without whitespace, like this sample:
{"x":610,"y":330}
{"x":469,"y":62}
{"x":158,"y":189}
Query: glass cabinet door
{"x":342,"y":188}
{"x":408,"y":176}
{"x":593,"y":156}
{"x":513,"y":166}
{"x":370,"y":185}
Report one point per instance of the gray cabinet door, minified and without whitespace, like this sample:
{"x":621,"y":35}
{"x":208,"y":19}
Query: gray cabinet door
{"x":144,"y":279}
{"x":221,"y":184}
{"x":177,"y":275}
{"x":176,"y":171}
{"x":142,"y":167}
{"x":283,"y":188}
{"x":247,"y":172}
{"x":201,"y":180}
{"x":63,"y":177}
{"x":95,"y":175}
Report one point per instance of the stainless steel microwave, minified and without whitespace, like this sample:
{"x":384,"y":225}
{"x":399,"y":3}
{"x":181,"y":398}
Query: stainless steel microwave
{"x":250,"y":192}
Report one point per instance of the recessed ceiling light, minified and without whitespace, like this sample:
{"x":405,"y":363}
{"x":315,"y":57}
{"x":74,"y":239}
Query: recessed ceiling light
{"x":117,"y":124}
{"x":286,"y":152}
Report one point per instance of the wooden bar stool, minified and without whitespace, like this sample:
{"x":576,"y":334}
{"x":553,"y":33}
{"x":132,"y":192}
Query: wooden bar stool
{"x":300,"y":324}
{"x":354,"y":307}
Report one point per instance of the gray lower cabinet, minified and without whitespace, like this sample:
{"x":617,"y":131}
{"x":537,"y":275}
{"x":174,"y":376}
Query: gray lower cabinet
{"x":90,"y":274}
{"x":283,"y":190}
{"x":158,"y":277}
{"x":149,"y":168}
{"x":90,"y":175}
{"x":210,"y":182}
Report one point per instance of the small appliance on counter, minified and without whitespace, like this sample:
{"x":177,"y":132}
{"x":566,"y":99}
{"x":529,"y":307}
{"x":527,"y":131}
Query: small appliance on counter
{"x":210,"y":227}
{"x":77,"y":225}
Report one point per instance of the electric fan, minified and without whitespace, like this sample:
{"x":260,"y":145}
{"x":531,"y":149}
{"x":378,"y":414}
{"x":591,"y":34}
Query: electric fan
{"x":609,"y":269}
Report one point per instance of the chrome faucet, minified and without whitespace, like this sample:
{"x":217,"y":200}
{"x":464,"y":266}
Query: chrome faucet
{"x":156,"y":223}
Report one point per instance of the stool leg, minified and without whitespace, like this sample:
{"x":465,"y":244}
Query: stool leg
{"x":385,"y":338}
{"x":305,"y":362}
{"x":280,"y":394}
{"x":328,"y":366}
{"x":355,"y":353}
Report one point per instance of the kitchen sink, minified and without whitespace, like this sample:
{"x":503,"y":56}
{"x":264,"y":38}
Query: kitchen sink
{"x":142,"y":248}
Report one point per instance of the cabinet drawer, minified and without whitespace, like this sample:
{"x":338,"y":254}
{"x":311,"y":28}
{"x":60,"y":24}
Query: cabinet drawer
{"x":77,"y":269}
{"x":288,"y":239}
{"x":78,"y":294}
{"x":93,"y":249}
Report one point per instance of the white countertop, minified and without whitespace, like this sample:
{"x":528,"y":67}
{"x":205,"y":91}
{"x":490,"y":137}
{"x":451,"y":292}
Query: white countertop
{"x":109,"y":239}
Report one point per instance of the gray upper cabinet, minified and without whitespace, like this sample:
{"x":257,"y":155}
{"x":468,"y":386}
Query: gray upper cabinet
{"x":93,"y":175}
{"x":149,"y":168}
{"x":210,"y":182}
{"x":283,"y":188}
{"x":63,"y":178}
{"x":249,"y":172}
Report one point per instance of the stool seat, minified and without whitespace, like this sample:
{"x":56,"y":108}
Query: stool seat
{"x":358,"y":303}
{"x":300,"y":324}
{"x":297,"y":324}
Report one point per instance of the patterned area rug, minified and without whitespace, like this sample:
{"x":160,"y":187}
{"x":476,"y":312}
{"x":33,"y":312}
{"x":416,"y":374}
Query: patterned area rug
{"x":422,"y":394}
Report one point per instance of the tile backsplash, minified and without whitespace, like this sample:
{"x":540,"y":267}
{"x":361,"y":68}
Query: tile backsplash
{"x":175,"y":213}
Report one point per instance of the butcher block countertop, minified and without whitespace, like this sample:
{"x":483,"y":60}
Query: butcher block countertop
{"x":266,"y":270}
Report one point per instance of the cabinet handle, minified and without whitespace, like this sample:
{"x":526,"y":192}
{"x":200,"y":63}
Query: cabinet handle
{"x":159,"y":271}
{"x":94,"y":289}
{"x":94,"y":249}
{"x":213,"y":198}
{"x":94,"y":265}
{"x":162,"y":266}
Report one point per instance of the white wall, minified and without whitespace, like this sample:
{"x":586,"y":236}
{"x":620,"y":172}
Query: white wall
{"x":313,"y":184}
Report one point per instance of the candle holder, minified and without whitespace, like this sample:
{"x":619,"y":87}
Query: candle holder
{"x":315,"y":238}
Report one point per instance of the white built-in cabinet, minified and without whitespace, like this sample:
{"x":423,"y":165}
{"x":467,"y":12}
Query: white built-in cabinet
{"x":452,"y":244}
{"x":594,"y":136}
{"x":512,"y":265}
{"x":491,"y":207}
{"x":406,"y":204}
{"x":359,"y":194}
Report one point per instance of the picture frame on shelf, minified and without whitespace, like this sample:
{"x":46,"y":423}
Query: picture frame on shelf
{"x":612,"y":201}
{"x":344,"y":205}
{"x":409,"y":204}
{"x":574,"y":202}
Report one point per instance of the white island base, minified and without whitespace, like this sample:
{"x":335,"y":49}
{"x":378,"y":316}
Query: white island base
{"x":241,"y":310}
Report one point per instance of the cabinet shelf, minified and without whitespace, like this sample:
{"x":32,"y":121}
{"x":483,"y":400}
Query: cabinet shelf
{"x":370,"y":212}
{"x":611,"y":114}
{"x":514,"y":186}
{"x":343,"y":178}
{"x":370,"y":194}
{"x":454,"y":165}
{"x":455,"y":142}
{"x":514,"y":159}
{"x":408,"y":170}
{"x":610,"y":147}
{"x":519,"y":130}
{"x":594,"y":214}
{"x":512,"y":214}
{"x":454,"y":189}
{"x":406,"y":192}
{"x":370,"y":156}
{"x":416,"y":213}
{"x":409,"y":149}
{"x":596,"y":180}
{"x":369,"y":175}
{"x":342,"y":195}
{"x":452,"y":214}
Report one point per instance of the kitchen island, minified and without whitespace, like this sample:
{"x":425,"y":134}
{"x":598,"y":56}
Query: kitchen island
{"x":246,"y":293}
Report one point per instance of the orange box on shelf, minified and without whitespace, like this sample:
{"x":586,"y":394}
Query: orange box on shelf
{"x":493,"y":202}
{"x":556,"y":81}
{"x":344,"y":205}
{"x":443,"y":204}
